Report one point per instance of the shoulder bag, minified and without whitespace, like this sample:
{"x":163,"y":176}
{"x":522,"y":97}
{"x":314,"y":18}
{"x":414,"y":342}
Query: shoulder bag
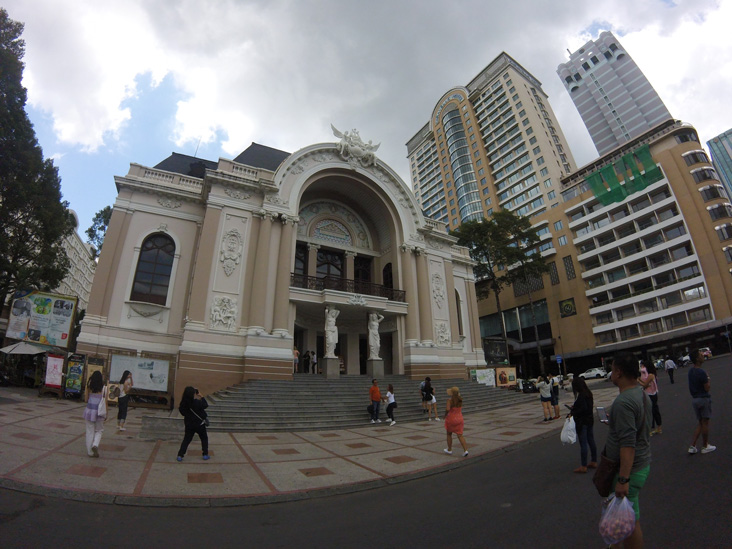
{"x":102,"y":407}
{"x":607,"y":468}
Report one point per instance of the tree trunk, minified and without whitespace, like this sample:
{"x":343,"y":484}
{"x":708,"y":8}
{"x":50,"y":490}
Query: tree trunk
{"x":536,"y":331}
{"x":503,"y":326}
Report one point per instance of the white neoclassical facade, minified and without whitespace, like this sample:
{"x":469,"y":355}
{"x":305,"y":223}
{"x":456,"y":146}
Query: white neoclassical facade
{"x":224,"y":267}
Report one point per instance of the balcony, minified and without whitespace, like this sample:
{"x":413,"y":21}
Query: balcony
{"x":346,"y":285}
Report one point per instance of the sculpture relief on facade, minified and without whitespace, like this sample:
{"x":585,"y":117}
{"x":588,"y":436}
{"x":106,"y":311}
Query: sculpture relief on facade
{"x":331,"y":331}
{"x":223,"y":312}
{"x":374,"y":338}
{"x":438,"y":289}
{"x":169,"y":203}
{"x":352,"y":148}
{"x":232,"y":245}
{"x":237,"y":194}
{"x":443,"y":333}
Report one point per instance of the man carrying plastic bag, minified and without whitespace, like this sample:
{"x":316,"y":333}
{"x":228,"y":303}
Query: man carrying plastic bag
{"x":629,"y":439}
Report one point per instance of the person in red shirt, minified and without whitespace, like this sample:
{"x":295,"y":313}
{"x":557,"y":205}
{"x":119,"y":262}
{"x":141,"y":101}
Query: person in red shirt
{"x":375,"y":395}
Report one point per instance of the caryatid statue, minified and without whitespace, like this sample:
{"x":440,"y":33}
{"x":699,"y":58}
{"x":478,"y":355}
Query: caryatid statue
{"x":331,"y":331}
{"x":374,"y":339}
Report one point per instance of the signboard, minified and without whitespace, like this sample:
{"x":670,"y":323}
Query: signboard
{"x":42,"y":317}
{"x":147,"y":373}
{"x":486,"y":376}
{"x":505,"y":377}
{"x":55,"y":371}
{"x":567,"y":308}
{"x":75,"y":374}
{"x":559,"y":359}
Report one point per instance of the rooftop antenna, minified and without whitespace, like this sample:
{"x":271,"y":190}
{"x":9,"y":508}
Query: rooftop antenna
{"x":195,"y":154}
{"x":569,"y":52}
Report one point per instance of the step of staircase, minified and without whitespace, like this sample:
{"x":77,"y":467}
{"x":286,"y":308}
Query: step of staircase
{"x":312,"y":403}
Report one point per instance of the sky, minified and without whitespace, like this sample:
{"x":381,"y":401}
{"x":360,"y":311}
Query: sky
{"x":114,"y":83}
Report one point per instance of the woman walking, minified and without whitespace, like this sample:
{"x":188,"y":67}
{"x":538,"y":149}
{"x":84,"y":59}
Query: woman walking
{"x":94,"y":422}
{"x":649,"y":382}
{"x":125,"y":386}
{"x":545,"y":393}
{"x":192,"y":408}
{"x":430,"y":399}
{"x":584,"y":421}
{"x":454,"y":422}
{"x":390,"y":404}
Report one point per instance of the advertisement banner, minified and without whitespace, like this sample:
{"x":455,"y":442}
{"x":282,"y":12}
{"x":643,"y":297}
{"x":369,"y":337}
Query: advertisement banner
{"x":54,"y":371}
{"x":506,"y":377}
{"x":75,"y":374}
{"x":147,"y":373}
{"x":42,"y":317}
{"x":486,"y":376}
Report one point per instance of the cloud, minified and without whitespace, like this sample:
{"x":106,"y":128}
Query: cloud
{"x":280,"y":72}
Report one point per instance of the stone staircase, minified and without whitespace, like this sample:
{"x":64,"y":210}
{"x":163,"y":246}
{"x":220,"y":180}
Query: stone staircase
{"x":311,"y":402}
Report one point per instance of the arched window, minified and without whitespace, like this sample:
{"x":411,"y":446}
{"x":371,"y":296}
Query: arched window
{"x":152,"y":276}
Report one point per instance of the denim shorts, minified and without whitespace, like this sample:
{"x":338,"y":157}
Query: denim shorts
{"x":702,"y":407}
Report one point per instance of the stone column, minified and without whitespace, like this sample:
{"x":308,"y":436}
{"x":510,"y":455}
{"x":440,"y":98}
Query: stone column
{"x":313,"y":259}
{"x":350,"y":257}
{"x":475,"y":342}
{"x":100,"y":298}
{"x":423,"y":291}
{"x":282,"y":287}
{"x":205,"y":258}
{"x":410,"y":288}
{"x":258,"y":301}
{"x":451,"y":298}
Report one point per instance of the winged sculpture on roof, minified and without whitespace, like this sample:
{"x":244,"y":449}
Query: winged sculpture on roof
{"x":352,"y":148}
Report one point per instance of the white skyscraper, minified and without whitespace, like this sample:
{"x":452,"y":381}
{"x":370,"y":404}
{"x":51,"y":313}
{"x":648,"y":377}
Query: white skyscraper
{"x":615,"y":100}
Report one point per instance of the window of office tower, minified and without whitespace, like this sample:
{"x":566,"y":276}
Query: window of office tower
{"x":466,"y":185}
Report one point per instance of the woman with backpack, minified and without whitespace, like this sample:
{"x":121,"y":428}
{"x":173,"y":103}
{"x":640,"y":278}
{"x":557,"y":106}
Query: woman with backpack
{"x":192,"y":408}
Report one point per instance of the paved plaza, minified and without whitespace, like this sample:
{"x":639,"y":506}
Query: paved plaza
{"x":42,"y":451}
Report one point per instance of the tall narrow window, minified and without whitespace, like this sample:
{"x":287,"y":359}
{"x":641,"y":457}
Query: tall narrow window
{"x":388,"y":276}
{"x":330,"y":264}
{"x":459,"y":313}
{"x":301,"y":259}
{"x":152,"y":276}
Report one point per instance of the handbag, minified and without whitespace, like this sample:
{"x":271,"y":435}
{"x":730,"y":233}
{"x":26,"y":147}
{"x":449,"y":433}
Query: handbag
{"x":607,"y":468}
{"x":102,"y":407}
{"x":604,"y":475}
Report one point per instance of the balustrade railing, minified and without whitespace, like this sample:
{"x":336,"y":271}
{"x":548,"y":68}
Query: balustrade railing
{"x":346,"y":285}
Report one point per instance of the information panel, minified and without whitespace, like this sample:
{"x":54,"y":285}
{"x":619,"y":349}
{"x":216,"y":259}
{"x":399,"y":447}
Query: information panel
{"x":147,"y":373}
{"x":42,"y":317}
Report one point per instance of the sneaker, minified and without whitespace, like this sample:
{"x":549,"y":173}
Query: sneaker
{"x":206,"y":457}
{"x":546,"y":419}
{"x":392,"y":423}
{"x":95,"y":451}
{"x":448,"y":452}
{"x":429,"y":419}
{"x":708,"y":448}
{"x":372,"y":421}
{"x":465,"y":454}
{"x":179,"y":458}
{"x":378,"y":421}
{"x":437,"y":419}
{"x":122,"y":429}
{"x":693,"y":450}
{"x":555,"y":417}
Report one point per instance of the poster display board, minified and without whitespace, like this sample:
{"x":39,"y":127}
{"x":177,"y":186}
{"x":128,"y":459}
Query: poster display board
{"x":42,"y":317}
{"x":486,"y":376}
{"x":75,"y":374}
{"x":54,"y":371}
{"x":505,"y":377}
{"x":93,"y":364}
{"x":147,"y":373}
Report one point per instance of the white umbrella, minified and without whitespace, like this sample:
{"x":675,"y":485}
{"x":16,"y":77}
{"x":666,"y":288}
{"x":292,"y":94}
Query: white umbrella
{"x":22,"y":348}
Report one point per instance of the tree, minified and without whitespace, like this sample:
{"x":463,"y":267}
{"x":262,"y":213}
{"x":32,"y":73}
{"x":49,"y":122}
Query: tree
{"x":98,"y":230}
{"x":488,"y":243}
{"x":525,"y":264}
{"x":33,"y":219}
{"x":504,"y":248}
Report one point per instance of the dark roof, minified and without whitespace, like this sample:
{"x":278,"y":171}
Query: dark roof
{"x":186,"y":165}
{"x":259,"y":156}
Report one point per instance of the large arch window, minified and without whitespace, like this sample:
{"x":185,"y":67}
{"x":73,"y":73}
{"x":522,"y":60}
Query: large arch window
{"x":152,"y":276}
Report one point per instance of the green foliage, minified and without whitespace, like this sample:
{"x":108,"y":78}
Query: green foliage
{"x":33,"y":219}
{"x":95,"y":234}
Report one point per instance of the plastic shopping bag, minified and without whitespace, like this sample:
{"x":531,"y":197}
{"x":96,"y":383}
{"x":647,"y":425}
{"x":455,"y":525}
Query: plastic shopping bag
{"x":569,"y":432}
{"x":617,"y":521}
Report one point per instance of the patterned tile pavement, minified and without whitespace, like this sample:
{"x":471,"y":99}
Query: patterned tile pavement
{"x":42,"y":450}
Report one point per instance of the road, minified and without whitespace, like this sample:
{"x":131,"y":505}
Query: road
{"x":525,"y":497}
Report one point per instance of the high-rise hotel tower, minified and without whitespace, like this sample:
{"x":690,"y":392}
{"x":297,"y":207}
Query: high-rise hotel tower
{"x":615,"y":100}
{"x":494,"y":143}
